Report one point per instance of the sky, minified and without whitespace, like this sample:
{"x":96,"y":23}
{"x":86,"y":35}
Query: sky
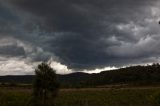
{"x":78,"y":35}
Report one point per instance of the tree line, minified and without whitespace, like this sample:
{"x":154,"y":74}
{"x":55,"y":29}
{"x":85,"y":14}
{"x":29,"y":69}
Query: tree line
{"x":149,"y":74}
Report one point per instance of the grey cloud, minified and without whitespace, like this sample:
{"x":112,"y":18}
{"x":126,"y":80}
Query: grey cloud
{"x":86,"y":34}
{"x":12,"y":51}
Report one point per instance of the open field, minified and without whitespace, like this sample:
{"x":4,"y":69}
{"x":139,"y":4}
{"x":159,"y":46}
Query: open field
{"x":139,"y":96}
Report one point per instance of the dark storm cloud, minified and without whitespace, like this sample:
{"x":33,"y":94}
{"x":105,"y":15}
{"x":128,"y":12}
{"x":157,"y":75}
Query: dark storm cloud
{"x":12,"y":51}
{"x":86,"y":34}
{"x":7,"y":18}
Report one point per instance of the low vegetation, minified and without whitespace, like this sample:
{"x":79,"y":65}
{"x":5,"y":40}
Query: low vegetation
{"x":87,"y":97}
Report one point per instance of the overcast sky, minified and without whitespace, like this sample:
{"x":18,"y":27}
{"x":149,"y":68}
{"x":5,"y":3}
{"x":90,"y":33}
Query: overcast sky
{"x":78,"y":35}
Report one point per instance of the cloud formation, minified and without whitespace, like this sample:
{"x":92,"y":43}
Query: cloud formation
{"x":81,"y":34}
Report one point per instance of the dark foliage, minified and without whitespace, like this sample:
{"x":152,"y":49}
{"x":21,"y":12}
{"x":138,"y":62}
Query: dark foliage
{"x":45,"y":85}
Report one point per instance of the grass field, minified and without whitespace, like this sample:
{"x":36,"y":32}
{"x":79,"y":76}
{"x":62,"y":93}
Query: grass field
{"x":144,"y":96}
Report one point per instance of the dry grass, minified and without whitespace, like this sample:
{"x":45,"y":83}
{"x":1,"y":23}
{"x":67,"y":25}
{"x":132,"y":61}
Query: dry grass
{"x":134,"y":96}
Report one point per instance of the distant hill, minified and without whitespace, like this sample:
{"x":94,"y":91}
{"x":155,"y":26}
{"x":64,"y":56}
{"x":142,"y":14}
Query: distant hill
{"x":66,"y":80}
{"x":133,"y":74}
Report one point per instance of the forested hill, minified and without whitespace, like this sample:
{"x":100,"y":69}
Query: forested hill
{"x":134,"y":74}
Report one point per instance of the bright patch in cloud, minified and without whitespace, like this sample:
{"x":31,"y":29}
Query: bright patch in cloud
{"x":15,"y":66}
{"x":100,"y":70}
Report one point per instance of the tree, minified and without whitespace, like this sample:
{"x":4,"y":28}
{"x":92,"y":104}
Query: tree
{"x":45,"y":85}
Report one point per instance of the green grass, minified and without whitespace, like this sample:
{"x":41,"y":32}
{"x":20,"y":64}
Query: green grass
{"x":87,"y":97}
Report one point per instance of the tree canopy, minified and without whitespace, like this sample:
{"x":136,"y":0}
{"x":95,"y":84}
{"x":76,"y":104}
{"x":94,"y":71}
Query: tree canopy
{"x":45,"y":84}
